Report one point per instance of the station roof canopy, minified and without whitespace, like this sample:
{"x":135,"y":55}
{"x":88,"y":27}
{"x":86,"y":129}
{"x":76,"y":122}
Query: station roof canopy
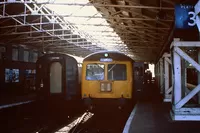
{"x":138,"y":28}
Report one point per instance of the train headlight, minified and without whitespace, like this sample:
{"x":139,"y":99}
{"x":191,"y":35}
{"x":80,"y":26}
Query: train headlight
{"x":41,"y":85}
{"x":106,"y":54}
{"x":102,"y":87}
{"x":109,"y":87}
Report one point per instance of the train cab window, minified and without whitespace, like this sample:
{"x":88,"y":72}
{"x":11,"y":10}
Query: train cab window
{"x":95,"y":72}
{"x":117,"y":72}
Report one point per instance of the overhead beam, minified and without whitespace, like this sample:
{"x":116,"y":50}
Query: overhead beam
{"x":89,"y":4}
{"x":63,"y":15}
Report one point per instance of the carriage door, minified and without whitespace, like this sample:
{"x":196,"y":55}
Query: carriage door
{"x":56,"y":78}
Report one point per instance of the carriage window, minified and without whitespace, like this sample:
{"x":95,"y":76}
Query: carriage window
{"x":117,"y":72}
{"x":11,"y":75}
{"x":15,"y":54}
{"x":26,"y":55}
{"x":95,"y":72}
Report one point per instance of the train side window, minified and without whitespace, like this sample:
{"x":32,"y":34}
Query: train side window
{"x":15,"y":54}
{"x":117,"y":72}
{"x":35,"y":56}
{"x":26,"y":56}
{"x":95,"y":72}
{"x":11,"y":75}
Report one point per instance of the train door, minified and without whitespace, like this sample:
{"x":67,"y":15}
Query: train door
{"x":56,"y":78}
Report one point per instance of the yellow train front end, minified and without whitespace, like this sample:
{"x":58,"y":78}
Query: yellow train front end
{"x":107,"y":80}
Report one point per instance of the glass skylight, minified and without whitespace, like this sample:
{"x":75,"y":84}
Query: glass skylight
{"x":88,"y":20}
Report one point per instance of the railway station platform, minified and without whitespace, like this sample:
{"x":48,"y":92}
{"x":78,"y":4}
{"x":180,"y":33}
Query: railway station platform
{"x":152,"y":115}
{"x":11,"y":100}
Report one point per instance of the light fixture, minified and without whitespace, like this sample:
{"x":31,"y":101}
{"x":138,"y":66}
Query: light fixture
{"x":106,"y":54}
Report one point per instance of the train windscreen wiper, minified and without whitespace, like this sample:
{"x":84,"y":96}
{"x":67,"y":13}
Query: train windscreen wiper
{"x":112,"y":67}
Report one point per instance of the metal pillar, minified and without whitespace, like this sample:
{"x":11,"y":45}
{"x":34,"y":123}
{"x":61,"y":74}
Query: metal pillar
{"x":177,"y":78}
{"x":199,"y":75}
{"x":181,"y":109}
{"x":161,"y":76}
{"x":197,"y":11}
{"x":168,"y":88}
{"x":157,"y":74}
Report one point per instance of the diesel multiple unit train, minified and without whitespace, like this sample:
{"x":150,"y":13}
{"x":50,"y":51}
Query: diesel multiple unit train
{"x":106,"y":77}
{"x":57,"y":77}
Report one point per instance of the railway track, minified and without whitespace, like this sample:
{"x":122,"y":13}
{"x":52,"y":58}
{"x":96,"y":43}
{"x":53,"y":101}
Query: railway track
{"x":36,"y":118}
{"x":106,"y":121}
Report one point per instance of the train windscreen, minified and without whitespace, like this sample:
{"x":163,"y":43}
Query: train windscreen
{"x":117,"y":72}
{"x":95,"y":72}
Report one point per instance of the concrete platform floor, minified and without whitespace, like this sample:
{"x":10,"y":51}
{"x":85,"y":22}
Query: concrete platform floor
{"x":153,"y":116}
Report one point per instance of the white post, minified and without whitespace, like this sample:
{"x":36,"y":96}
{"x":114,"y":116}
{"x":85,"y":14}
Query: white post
{"x":161,"y":76}
{"x":177,"y":91}
{"x":183,"y":78}
{"x":199,"y":75}
{"x":166,"y":76}
{"x":179,"y":111}
{"x":158,"y":74}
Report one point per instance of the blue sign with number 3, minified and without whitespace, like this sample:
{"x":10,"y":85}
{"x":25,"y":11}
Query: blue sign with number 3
{"x":184,"y":16}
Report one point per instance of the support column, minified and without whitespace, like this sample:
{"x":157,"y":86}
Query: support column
{"x":157,"y":80}
{"x":161,"y":76}
{"x":167,"y":96}
{"x":183,"y":78}
{"x":199,"y":75}
{"x":177,"y":91}
{"x":158,"y":75}
{"x":166,"y":75}
{"x":182,"y":109}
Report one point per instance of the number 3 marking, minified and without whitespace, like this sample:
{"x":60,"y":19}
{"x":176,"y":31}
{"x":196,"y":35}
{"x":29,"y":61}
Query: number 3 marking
{"x":192,"y":18}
